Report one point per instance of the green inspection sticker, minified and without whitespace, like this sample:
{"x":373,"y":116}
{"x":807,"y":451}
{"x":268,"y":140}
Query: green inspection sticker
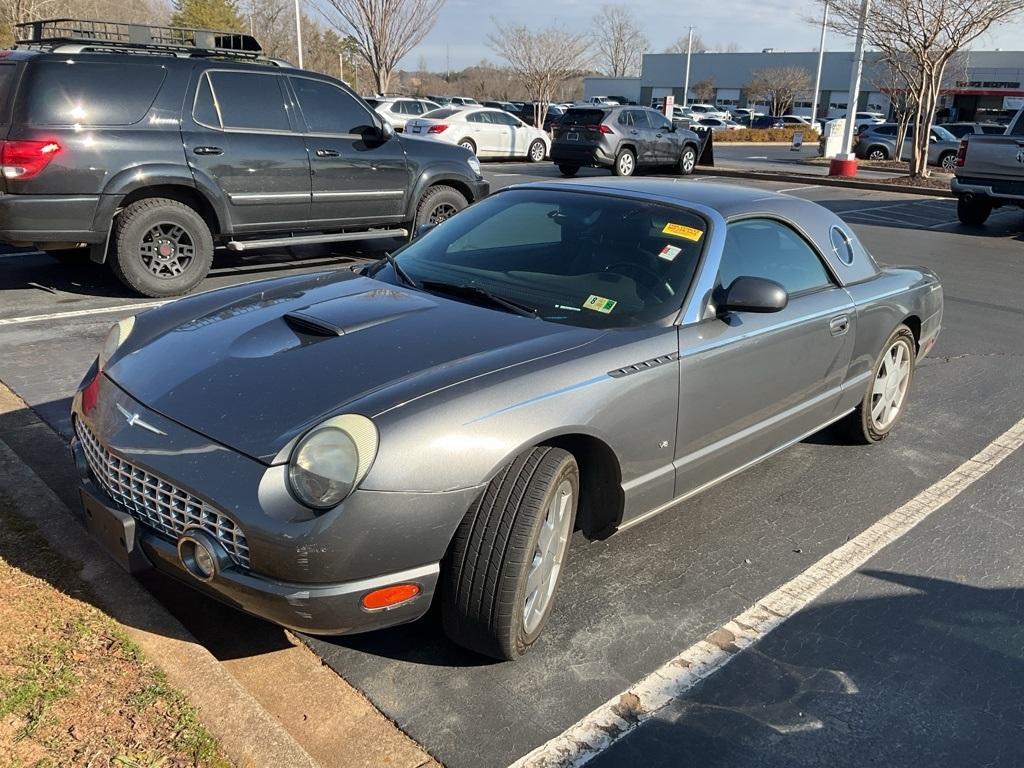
{"x":599,"y":304}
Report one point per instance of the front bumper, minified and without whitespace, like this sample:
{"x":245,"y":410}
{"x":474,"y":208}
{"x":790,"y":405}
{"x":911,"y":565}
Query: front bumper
{"x":319,"y":609}
{"x":479,"y":189}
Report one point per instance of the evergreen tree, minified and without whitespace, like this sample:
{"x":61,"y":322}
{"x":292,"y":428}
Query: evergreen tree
{"x":208,"y":14}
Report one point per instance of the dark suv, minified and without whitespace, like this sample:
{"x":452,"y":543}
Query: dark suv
{"x":151,"y":145}
{"x":623,"y":139}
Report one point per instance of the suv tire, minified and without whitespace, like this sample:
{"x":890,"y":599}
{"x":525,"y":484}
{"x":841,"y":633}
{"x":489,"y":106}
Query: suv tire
{"x":496,"y":595}
{"x":172,"y":236}
{"x":625,"y":163}
{"x":568,"y":170}
{"x":438,"y":204}
{"x":687,"y":160}
{"x":973,"y":211}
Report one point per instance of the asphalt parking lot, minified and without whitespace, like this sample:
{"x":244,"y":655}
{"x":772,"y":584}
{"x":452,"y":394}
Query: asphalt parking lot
{"x":631,"y":602}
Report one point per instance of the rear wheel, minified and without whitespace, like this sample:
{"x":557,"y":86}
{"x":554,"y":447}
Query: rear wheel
{"x":625,"y":163}
{"x":161,"y":247}
{"x":886,"y":396}
{"x":468,"y":144}
{"x":687,"y":161}
{"x":568,"y":170}
{"x":503,"y":566}
{"x":948,"y":161}
{"x":973,"y":211}
{"x":537,"y":151}
{"x":439,"y":204}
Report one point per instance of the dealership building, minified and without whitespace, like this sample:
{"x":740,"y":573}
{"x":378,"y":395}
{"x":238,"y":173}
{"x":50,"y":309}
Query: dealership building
{"x":991,"y":85}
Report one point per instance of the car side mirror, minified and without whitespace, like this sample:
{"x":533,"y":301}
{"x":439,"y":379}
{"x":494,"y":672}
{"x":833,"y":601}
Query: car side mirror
{"x":421,"y":230}
{"x":754,"y":294}
{"x":387,"y":130}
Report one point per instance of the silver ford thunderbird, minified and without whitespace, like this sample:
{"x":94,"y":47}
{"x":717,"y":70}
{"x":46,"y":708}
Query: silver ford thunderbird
{"x":338,"y":451}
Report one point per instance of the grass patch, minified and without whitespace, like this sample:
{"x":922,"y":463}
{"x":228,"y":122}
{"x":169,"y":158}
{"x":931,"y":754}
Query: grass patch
{"x":74,"y":688}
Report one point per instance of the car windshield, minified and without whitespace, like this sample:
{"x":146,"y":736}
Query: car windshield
{"x":577,"y":258}
{"x":942,"y":133}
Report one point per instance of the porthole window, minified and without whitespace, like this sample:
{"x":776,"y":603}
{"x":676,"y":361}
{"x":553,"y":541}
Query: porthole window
{"x":842,"y":246}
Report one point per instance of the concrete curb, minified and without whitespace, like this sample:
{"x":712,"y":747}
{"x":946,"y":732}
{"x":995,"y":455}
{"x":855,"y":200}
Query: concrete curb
{"x":822,"y":181}
{"x":248,"y":735}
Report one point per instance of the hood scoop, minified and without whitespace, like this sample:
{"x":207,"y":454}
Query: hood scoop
{"x":356,"y":312}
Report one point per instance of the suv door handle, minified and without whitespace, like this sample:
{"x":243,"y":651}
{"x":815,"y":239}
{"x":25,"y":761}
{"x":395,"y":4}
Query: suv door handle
{"x":208,"y":151}
{"x":837,"y":326}
{"x":326,"y":153}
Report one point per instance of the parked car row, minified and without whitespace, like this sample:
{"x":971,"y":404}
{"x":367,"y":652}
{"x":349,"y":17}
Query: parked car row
{"x":879,"y":142}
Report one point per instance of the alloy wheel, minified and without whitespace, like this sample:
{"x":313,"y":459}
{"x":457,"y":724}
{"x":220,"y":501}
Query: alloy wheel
{"x":548,"y":556}
{"x":167,"y":249}
{"x":890,"y":387}
{"x":689,"y":160}
{"x":876,"y":154}
{"x":949,"y":163}
{"x":626,"y":164}
{"x":441,"y":212}
{"x":537,"y":152}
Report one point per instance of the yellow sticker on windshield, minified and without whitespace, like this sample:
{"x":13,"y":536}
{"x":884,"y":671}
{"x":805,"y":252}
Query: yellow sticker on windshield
{"x":680,"y":230}
{"x":599,"y":304}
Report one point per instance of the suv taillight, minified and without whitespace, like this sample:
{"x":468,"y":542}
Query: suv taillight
{"x":602,"y":128}
{"x":961,"y":154}
{"x":25,"y":159}
{"x":438,"y":128}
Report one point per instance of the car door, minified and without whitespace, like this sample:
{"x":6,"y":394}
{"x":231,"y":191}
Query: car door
{"x":359,"y":173}
{"x":751,"y":382}
{"x":519,"y":135}
{"x":241,"y":139}
{"x":668,"y":145}
{"x":490,"y":139}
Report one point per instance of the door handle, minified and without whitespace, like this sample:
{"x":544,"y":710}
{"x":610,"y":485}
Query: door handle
{"x":208,"y":151}
{"x":837,"y":326}
{"x":634,"y":132}
{"x":326,"y":153}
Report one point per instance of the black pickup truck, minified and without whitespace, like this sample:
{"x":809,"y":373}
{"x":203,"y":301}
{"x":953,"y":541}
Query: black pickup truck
{"x":150,"y":146}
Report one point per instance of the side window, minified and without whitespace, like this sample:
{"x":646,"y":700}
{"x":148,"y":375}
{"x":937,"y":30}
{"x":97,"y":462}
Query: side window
{"x":204,"y":110}
{"x":327,"y":108}
{"x":640,"y":118}
{"x":478,"y":117}
{"x":658,"y":121}
{"x":504,"y":119}
{"x":250,"y":101}
{"x":413,"y":108}
{"x":1018,"y":127}
{"x":770,"y":249}
{"x":886,"y":130}
{"x":626,"y":118}
{"x":77,"y":92}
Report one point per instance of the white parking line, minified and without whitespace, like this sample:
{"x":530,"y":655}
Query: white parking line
{"x":624,"y":713}
{"x":797,"y":189}
{"x":83,"y":312}
{"x":20,"y":254}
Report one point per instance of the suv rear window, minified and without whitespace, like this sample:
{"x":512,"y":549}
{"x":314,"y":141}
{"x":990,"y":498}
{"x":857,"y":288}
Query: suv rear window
{"x":583,"y":117}
{"x":90,"y":93}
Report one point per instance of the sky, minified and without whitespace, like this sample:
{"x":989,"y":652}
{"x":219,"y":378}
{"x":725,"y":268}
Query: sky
{"x":463,"y":26}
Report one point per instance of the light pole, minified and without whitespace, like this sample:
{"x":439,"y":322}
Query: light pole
{"x":821,"y":61}
{"x":298,"y":31}
{"x":845,"y":163}
{"x":686,"y":82}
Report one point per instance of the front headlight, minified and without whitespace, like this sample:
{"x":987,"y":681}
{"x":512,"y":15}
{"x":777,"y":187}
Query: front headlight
{"x":474,"y":165}
{"x":117,"y":336}
{"x":327,"y":464}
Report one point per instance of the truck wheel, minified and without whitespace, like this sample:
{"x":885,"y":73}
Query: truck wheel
{"x":973,"y":211}
{"x":625,"y":163}
{"x":161,"y":247}
{"x":439,"y":204}
{"x":687,"y":161}
{"x":501,"y":571}
{"x":568,"y":170}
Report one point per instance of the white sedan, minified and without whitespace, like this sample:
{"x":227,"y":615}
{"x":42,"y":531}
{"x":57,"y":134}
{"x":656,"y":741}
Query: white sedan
{"x":718,"y":124}
{"x":484,"y":132}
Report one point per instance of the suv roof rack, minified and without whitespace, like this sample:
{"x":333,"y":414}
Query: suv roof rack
{"x":89,"y":34}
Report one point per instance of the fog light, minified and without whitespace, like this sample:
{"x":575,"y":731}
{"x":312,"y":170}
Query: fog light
{"x":200,"y":554}
{"x":389,"y":597}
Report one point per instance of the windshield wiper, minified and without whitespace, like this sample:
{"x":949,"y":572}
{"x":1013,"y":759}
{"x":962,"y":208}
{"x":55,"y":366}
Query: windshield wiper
{"x":402,"y":275}
{"x":476,"y":292}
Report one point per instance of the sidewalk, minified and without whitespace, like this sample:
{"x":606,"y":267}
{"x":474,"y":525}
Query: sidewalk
{"x":916,"y":659}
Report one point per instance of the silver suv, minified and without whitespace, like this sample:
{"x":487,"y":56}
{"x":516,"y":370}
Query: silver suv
{"x":878,"y":142}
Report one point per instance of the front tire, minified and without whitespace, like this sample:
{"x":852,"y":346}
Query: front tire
{"x":687,"y":161}
{"x":503,"y":566}
{"x":161,"y":248}
{"x":973,"y":211}
{"x":439,"y":204}
{"x":947,"y":161}
{"x":886,"y":397}
{"x":625,"y":163}
{"x":877,"y":153}
{"x":537,"y":151}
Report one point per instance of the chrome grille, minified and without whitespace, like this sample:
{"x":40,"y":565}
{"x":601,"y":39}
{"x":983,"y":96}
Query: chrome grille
{"x":156,"y":502}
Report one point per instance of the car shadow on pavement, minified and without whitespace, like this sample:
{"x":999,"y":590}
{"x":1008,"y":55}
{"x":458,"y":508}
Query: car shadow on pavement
{"x":923,"y":672}
{"x":932,"y":214}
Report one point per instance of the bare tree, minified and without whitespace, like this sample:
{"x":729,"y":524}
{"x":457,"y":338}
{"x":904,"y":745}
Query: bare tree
{"x":778,"y":87}
{"x":680,"y":45}
{"x":541,"y":60}
{"x":618,"y":41}
{"x":704,"y":89}
{"x":920,"y":37}
{"x":385,"y":31}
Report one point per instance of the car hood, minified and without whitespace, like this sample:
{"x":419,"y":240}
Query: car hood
{"x":255,"y":372}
